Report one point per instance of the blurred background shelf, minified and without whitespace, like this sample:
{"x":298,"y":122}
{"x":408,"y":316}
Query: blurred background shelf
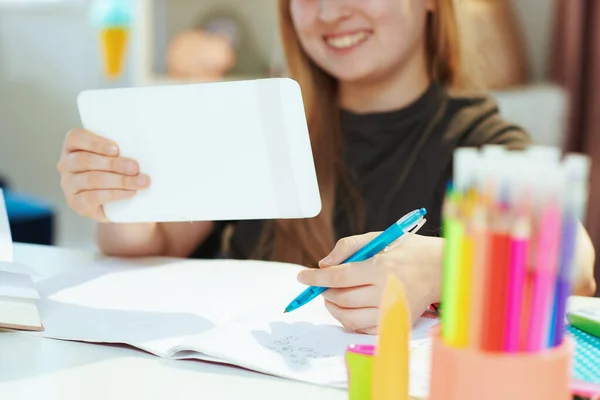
{"x":159,"y":22}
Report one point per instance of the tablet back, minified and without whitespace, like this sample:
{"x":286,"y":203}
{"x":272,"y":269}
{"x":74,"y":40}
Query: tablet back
{"x":213,"y":151}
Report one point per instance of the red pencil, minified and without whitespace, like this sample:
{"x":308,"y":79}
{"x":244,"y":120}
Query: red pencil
{"x":497,"y":283}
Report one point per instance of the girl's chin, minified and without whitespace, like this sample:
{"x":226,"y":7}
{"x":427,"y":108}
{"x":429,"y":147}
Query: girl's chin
{"x":354,"y":77}
{"x":354,"y":74}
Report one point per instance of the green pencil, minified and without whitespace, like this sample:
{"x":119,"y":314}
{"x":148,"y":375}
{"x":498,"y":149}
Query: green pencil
{"x":453,"y":233}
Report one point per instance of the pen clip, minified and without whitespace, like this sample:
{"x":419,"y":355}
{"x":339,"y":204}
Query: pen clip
{"x":407,"y":217}
{"x":408,"y":232}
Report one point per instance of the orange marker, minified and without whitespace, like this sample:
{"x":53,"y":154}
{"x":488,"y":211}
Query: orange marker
{"x":480,"y":262}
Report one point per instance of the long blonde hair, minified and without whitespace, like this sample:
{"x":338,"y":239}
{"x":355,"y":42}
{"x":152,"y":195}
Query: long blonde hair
{"x":306,"y":241}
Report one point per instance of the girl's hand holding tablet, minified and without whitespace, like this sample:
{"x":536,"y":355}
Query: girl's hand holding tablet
{"x":93,"y":174}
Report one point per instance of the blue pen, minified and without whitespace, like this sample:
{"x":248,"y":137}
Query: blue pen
{"x":410,"y":223}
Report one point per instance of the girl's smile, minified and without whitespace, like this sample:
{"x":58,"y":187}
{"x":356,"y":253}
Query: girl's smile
{"x":347,"y":41}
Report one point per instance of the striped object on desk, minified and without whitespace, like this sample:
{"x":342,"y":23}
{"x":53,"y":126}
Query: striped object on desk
{"x":586,"y":363}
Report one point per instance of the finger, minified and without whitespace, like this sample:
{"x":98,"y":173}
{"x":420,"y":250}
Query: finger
{"x":97,"y":180}
{"x":89,"y":202}
{"x":82,"y":140}
{"x":345,"y":247}
{"x":83,"y":161}
{"x":339,"y":276}
{"x":355,"y":297}
{"x":354,"y":319}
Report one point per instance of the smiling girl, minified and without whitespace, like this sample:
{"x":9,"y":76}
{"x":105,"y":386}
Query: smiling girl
{"x":375,"y":76}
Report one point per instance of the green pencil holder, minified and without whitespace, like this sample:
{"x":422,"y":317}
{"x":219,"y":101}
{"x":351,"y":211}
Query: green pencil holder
{"x":359,"y":362}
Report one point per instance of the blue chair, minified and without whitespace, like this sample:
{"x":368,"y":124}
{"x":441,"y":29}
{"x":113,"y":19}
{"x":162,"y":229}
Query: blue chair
{"x":31,"y":219}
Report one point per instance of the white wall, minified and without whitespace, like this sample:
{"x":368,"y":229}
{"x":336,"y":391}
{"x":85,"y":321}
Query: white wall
{"x":48,"y":55}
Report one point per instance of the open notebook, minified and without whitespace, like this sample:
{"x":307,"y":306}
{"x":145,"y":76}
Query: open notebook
{"x":215,"y":310}
{"x":18,"y":296}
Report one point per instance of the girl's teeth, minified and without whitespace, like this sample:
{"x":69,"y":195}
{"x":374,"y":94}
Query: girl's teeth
{"x":342,"y":42}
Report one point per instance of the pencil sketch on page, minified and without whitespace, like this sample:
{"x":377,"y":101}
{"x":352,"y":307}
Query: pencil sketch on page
{"x":296,"y":354}
{"x":302,"y":344}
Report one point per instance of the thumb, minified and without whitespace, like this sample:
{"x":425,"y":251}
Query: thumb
{"x":345,"y":247}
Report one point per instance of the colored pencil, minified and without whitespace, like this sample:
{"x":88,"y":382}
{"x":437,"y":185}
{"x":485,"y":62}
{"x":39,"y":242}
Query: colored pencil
{"x":546,"y":262}
{"x":465,"y":273}
{"x":453,"y":232}
{"x":497,"y":280}
{"x":577,"y":170}
{"x":526,"y":307}
{"x":519,"y":242}
{"x":510,"y":225}
{"x":479,"y":270}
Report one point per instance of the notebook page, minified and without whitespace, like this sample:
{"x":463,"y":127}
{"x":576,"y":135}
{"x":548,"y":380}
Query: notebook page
{"x":306,"y":345}
{"x":298,"y":345}
{"x":195,"y":306}
{"x":155,"y":304}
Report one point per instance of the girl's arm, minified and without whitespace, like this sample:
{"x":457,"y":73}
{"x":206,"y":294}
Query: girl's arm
{"x":585,"y":283}
{"x":176,"y":239}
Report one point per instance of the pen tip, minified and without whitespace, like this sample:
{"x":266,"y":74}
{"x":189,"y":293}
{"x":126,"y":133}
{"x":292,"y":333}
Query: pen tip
{"x":285,"y":311}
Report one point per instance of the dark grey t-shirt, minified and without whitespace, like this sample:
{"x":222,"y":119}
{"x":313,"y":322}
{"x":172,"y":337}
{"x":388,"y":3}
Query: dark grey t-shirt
{"x":398,"y":161}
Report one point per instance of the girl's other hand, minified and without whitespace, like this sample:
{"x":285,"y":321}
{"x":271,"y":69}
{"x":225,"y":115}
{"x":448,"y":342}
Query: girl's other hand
{"x":356,"y":289}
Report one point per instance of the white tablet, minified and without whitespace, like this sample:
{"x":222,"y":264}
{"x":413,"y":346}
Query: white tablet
{"x":213,"y":151}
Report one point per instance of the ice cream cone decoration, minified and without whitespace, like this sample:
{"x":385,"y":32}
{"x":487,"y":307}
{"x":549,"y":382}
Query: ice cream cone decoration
{"x":113,"y":19}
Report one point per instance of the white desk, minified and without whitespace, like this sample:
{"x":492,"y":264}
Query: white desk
{"x":38,"y":368}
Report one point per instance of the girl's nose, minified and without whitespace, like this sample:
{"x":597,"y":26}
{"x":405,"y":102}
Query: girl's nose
{"x":334,"y":10}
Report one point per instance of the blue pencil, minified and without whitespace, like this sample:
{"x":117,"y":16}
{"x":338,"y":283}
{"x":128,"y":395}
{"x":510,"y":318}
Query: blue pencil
{"x":577,"y":173}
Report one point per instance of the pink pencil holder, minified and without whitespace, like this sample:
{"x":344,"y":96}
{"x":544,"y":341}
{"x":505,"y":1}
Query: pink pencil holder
{"x":467,"y":374}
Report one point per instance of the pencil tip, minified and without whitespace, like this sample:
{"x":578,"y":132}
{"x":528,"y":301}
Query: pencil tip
{"x":285,"y":311}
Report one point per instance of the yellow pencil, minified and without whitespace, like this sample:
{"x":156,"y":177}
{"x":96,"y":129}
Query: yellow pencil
{"x":391,"y":364}
{"x":478,"y":277}
{"x":464,"y":282}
